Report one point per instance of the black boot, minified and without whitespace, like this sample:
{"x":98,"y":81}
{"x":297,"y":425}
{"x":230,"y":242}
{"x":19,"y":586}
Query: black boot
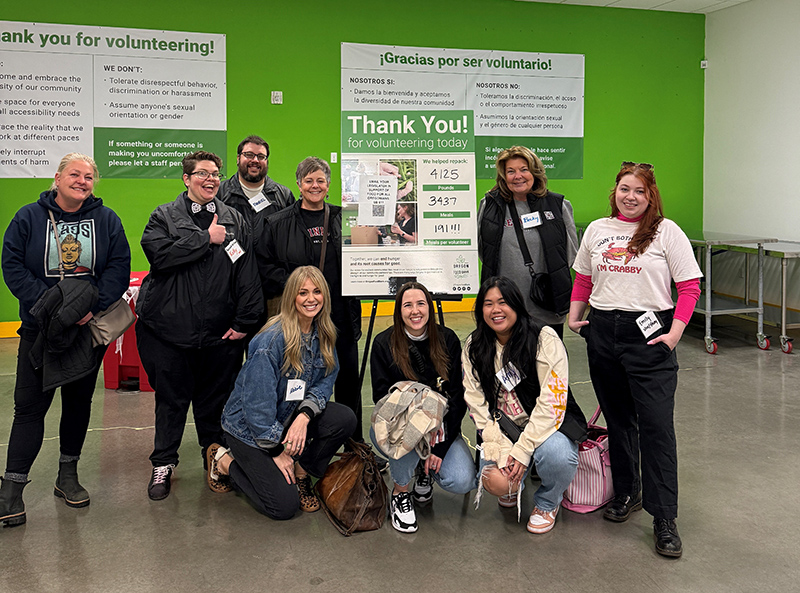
{"x":668,"y":542}
{"x":12,"y":509}
{"x":67,"y":486}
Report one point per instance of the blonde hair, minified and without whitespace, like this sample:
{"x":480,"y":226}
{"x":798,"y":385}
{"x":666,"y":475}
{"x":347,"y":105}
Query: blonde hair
{"x":75,"y":156}
{"x":290,"y":320}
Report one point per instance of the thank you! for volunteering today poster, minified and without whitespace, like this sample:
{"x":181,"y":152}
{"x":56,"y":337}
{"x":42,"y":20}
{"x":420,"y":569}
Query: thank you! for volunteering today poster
{"x":137,"y":100}
{"x":419,"y":125}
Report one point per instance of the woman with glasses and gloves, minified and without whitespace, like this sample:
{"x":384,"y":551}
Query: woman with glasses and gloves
{"x":624,"y":269}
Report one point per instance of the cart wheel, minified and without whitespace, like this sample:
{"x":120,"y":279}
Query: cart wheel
{"x":786,"y":347}
{"x":711,"y":347}
{"x":763,"y":343}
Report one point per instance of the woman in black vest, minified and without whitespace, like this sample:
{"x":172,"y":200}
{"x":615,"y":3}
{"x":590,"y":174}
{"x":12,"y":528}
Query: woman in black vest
{"x":546,"y":223}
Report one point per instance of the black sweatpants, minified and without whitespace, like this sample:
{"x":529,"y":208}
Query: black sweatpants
{"x":346,"y":389}
{"x":635,"y":386}
{"x":31,"y":404}
{"x":255,"y":474}
{"x":202,"y":377}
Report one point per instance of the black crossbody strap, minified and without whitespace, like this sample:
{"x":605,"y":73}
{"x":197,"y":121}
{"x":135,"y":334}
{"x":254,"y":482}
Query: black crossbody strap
{"x":523,"y":246}
{"x":324,"y":239}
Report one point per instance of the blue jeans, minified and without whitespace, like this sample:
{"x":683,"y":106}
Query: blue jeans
{"x":556,"y":463}
{"x":456,"y":474}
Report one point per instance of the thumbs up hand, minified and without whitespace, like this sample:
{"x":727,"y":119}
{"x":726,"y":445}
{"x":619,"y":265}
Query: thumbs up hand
{"x":216,"y":232}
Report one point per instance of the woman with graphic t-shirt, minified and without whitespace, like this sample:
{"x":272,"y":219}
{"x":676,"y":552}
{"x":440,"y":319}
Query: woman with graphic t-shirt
{"x":296,"y":236}
{"x":96,"y":262}
{"x":624,"y":268}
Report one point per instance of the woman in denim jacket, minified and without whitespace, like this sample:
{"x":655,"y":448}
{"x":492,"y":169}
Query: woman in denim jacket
{"x":279,"y":424}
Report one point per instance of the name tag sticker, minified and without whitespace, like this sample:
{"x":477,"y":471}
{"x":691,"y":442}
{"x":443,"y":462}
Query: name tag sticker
{"x":531,"y":220}
{"x":649,"y":323}
{"x":234,"y":250}
{"x":295,"y":390}
{"x":509,"y":376}
{"x":259,"y":202}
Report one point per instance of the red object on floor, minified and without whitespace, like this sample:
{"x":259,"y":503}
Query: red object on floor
{"x":126,"y":365}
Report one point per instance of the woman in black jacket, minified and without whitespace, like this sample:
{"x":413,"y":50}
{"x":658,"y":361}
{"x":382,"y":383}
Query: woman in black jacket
{"x":416,"y":349}
{"x":309,"y":233}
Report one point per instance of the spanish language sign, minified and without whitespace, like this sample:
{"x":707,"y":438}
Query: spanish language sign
{"x":532,"y":99}
{"x":433,"y":120}
{"x":136,"y":100}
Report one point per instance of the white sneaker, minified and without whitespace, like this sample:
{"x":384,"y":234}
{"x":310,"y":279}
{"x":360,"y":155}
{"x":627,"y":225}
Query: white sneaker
{"x":507,"y":501}
{"x":542,"y":521}
{"x":401,"y":511}
{"x":422,"y":490}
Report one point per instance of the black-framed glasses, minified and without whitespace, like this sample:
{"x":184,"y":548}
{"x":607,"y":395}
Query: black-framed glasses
{"x":205,"y":175}
{"x":252,"y":155}
{"x":631,"y":164}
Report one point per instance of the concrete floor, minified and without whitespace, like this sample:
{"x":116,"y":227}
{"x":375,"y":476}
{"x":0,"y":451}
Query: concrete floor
{"x":737,"y":418}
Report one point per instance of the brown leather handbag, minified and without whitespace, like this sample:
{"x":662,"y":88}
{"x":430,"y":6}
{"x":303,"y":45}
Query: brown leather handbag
{"x":352,"y":491}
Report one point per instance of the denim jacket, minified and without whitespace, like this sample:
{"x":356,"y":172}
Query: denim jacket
{"x":257,"y":411}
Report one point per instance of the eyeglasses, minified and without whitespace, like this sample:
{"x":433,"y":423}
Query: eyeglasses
{"x":251,"y":155}
{"x":631,"y":164}
{"x":205,"y":175}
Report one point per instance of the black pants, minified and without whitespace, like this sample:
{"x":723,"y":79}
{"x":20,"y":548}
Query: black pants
{"x":202,"y":377}
{"x":635,"y":385}
{"x":346,"y":389}
{"x":255,"y":474}
{"x":31,"y":404}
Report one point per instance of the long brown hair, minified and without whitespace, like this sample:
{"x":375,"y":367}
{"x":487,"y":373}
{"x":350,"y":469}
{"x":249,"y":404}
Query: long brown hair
{"x":652,"y":217}
{"x":399,"y":344}
{"x":535,"y":166}
{"x":290,"y":320}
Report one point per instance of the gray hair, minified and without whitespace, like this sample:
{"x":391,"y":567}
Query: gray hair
{"x":76,"y":156}
{"x":311,"y":164}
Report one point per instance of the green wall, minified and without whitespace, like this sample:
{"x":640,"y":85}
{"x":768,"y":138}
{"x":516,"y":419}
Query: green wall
{"x":643,"y":101}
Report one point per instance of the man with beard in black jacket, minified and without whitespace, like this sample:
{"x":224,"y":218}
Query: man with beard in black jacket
{"x":255,"y":196}
{"x":199,"y":301}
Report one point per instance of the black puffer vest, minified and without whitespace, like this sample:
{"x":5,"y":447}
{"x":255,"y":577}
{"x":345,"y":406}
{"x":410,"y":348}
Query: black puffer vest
{"x":552,"y":231}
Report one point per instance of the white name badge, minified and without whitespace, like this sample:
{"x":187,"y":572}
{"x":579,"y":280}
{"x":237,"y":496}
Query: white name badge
{"x":259,"y":202}
{"x":649,"y":323}
{"x":509,"y":376}
{"x":295,"y":390}
{"x":531,"y":220}
{"x":234,"y":250}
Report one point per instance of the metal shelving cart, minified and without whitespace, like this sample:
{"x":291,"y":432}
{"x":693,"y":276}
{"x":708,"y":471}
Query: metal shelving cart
{"x":785,"y":250}
{"x":710,"y":305}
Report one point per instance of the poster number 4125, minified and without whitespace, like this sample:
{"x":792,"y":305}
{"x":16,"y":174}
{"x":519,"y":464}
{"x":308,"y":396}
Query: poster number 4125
{"x":451,"y":174}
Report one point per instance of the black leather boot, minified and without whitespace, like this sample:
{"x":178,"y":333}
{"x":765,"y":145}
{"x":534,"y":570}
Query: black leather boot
{"x":67,"y":486}
{"x":621,"y":507}
{"x":668,"y":542}
{"x":12,"y":509}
